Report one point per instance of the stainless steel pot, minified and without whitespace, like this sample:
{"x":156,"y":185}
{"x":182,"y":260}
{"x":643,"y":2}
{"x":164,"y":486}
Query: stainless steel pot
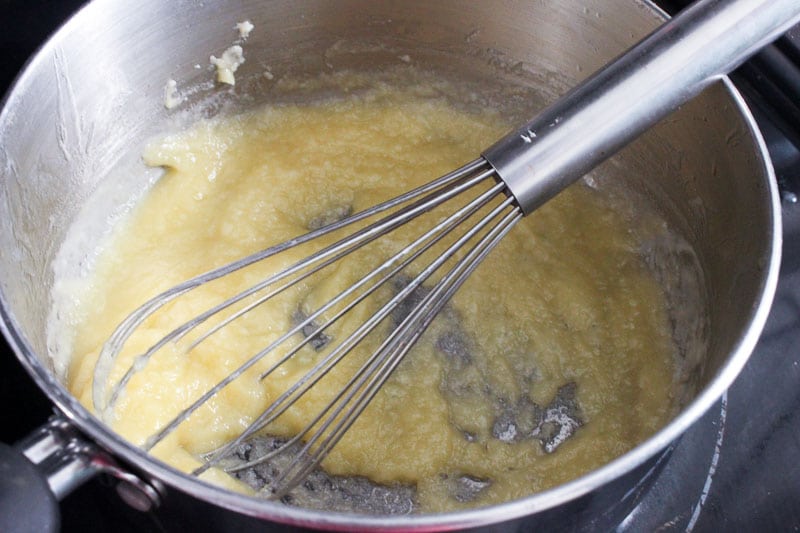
{"x":94,"y":93}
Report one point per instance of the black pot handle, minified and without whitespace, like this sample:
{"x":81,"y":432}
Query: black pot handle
{"x":26,"y":501}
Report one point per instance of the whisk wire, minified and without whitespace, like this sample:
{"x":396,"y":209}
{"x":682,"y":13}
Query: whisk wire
{"x":452,"y":185}
{"x":442,"y":228}
{"x":346,"y":250}
{"x":372,"y":376}
{"x":329,"y":255}
{"x":329,"y":425}
{"x":287,"y":398}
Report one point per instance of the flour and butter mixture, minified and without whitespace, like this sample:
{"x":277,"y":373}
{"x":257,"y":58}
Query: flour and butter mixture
{"x":554,"y":358}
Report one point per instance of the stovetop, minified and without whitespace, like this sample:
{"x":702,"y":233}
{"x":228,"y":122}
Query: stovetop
{"x":735,"y":470}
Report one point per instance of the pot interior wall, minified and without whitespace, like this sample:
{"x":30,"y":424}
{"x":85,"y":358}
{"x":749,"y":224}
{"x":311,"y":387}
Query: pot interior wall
{"x":93,"y":95}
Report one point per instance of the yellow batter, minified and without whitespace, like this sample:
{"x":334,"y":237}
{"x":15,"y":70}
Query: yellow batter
{"x":562,"y":319}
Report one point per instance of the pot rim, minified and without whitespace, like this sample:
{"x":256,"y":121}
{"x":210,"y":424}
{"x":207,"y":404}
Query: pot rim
{"x":260,"y":508}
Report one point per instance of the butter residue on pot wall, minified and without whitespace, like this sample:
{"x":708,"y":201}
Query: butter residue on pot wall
{"x":228,"y":63}
{"x":171,"y":97}
{"x":233,"y":57}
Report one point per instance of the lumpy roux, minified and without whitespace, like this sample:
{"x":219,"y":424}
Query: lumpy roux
{"x":554,"y":358}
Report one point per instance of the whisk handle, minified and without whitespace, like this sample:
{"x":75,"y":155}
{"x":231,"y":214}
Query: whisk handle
{"x":633,"y":92}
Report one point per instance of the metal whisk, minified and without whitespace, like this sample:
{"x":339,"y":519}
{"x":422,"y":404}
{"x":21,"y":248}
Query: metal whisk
{"x":490,"y":195}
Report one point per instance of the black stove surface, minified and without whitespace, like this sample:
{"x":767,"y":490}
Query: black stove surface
{"x":737,"y":469}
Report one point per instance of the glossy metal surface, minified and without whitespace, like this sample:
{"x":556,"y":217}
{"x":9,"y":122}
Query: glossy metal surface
{"x":89,"y":99}
{"x":65,"y":459}
{"x":596,"y":119}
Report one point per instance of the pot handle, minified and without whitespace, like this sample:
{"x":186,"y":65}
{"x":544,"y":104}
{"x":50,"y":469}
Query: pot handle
{"x":43,"y":468}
